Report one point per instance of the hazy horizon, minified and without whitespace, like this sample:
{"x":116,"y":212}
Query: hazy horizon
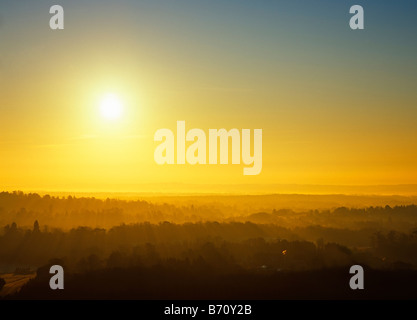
{"x":173,"y":189}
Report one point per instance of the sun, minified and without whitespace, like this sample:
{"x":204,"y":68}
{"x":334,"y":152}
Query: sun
{"x":111,"y":107}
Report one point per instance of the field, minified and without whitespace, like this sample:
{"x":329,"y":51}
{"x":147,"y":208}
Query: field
{"x":14,"y":282}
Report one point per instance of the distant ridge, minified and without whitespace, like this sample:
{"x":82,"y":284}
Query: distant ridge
{"x":182,"y":189}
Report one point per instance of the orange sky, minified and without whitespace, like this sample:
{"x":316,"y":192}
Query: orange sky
{"x":334,"y":108}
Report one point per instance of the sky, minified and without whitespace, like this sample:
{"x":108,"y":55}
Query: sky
{"x":336,"y":106}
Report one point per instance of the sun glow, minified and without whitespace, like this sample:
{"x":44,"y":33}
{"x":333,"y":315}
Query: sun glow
{"x":111,"y":107}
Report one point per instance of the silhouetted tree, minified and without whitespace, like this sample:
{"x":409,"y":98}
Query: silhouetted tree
{"x":2,"y":283}
{"x":36,"y":226}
